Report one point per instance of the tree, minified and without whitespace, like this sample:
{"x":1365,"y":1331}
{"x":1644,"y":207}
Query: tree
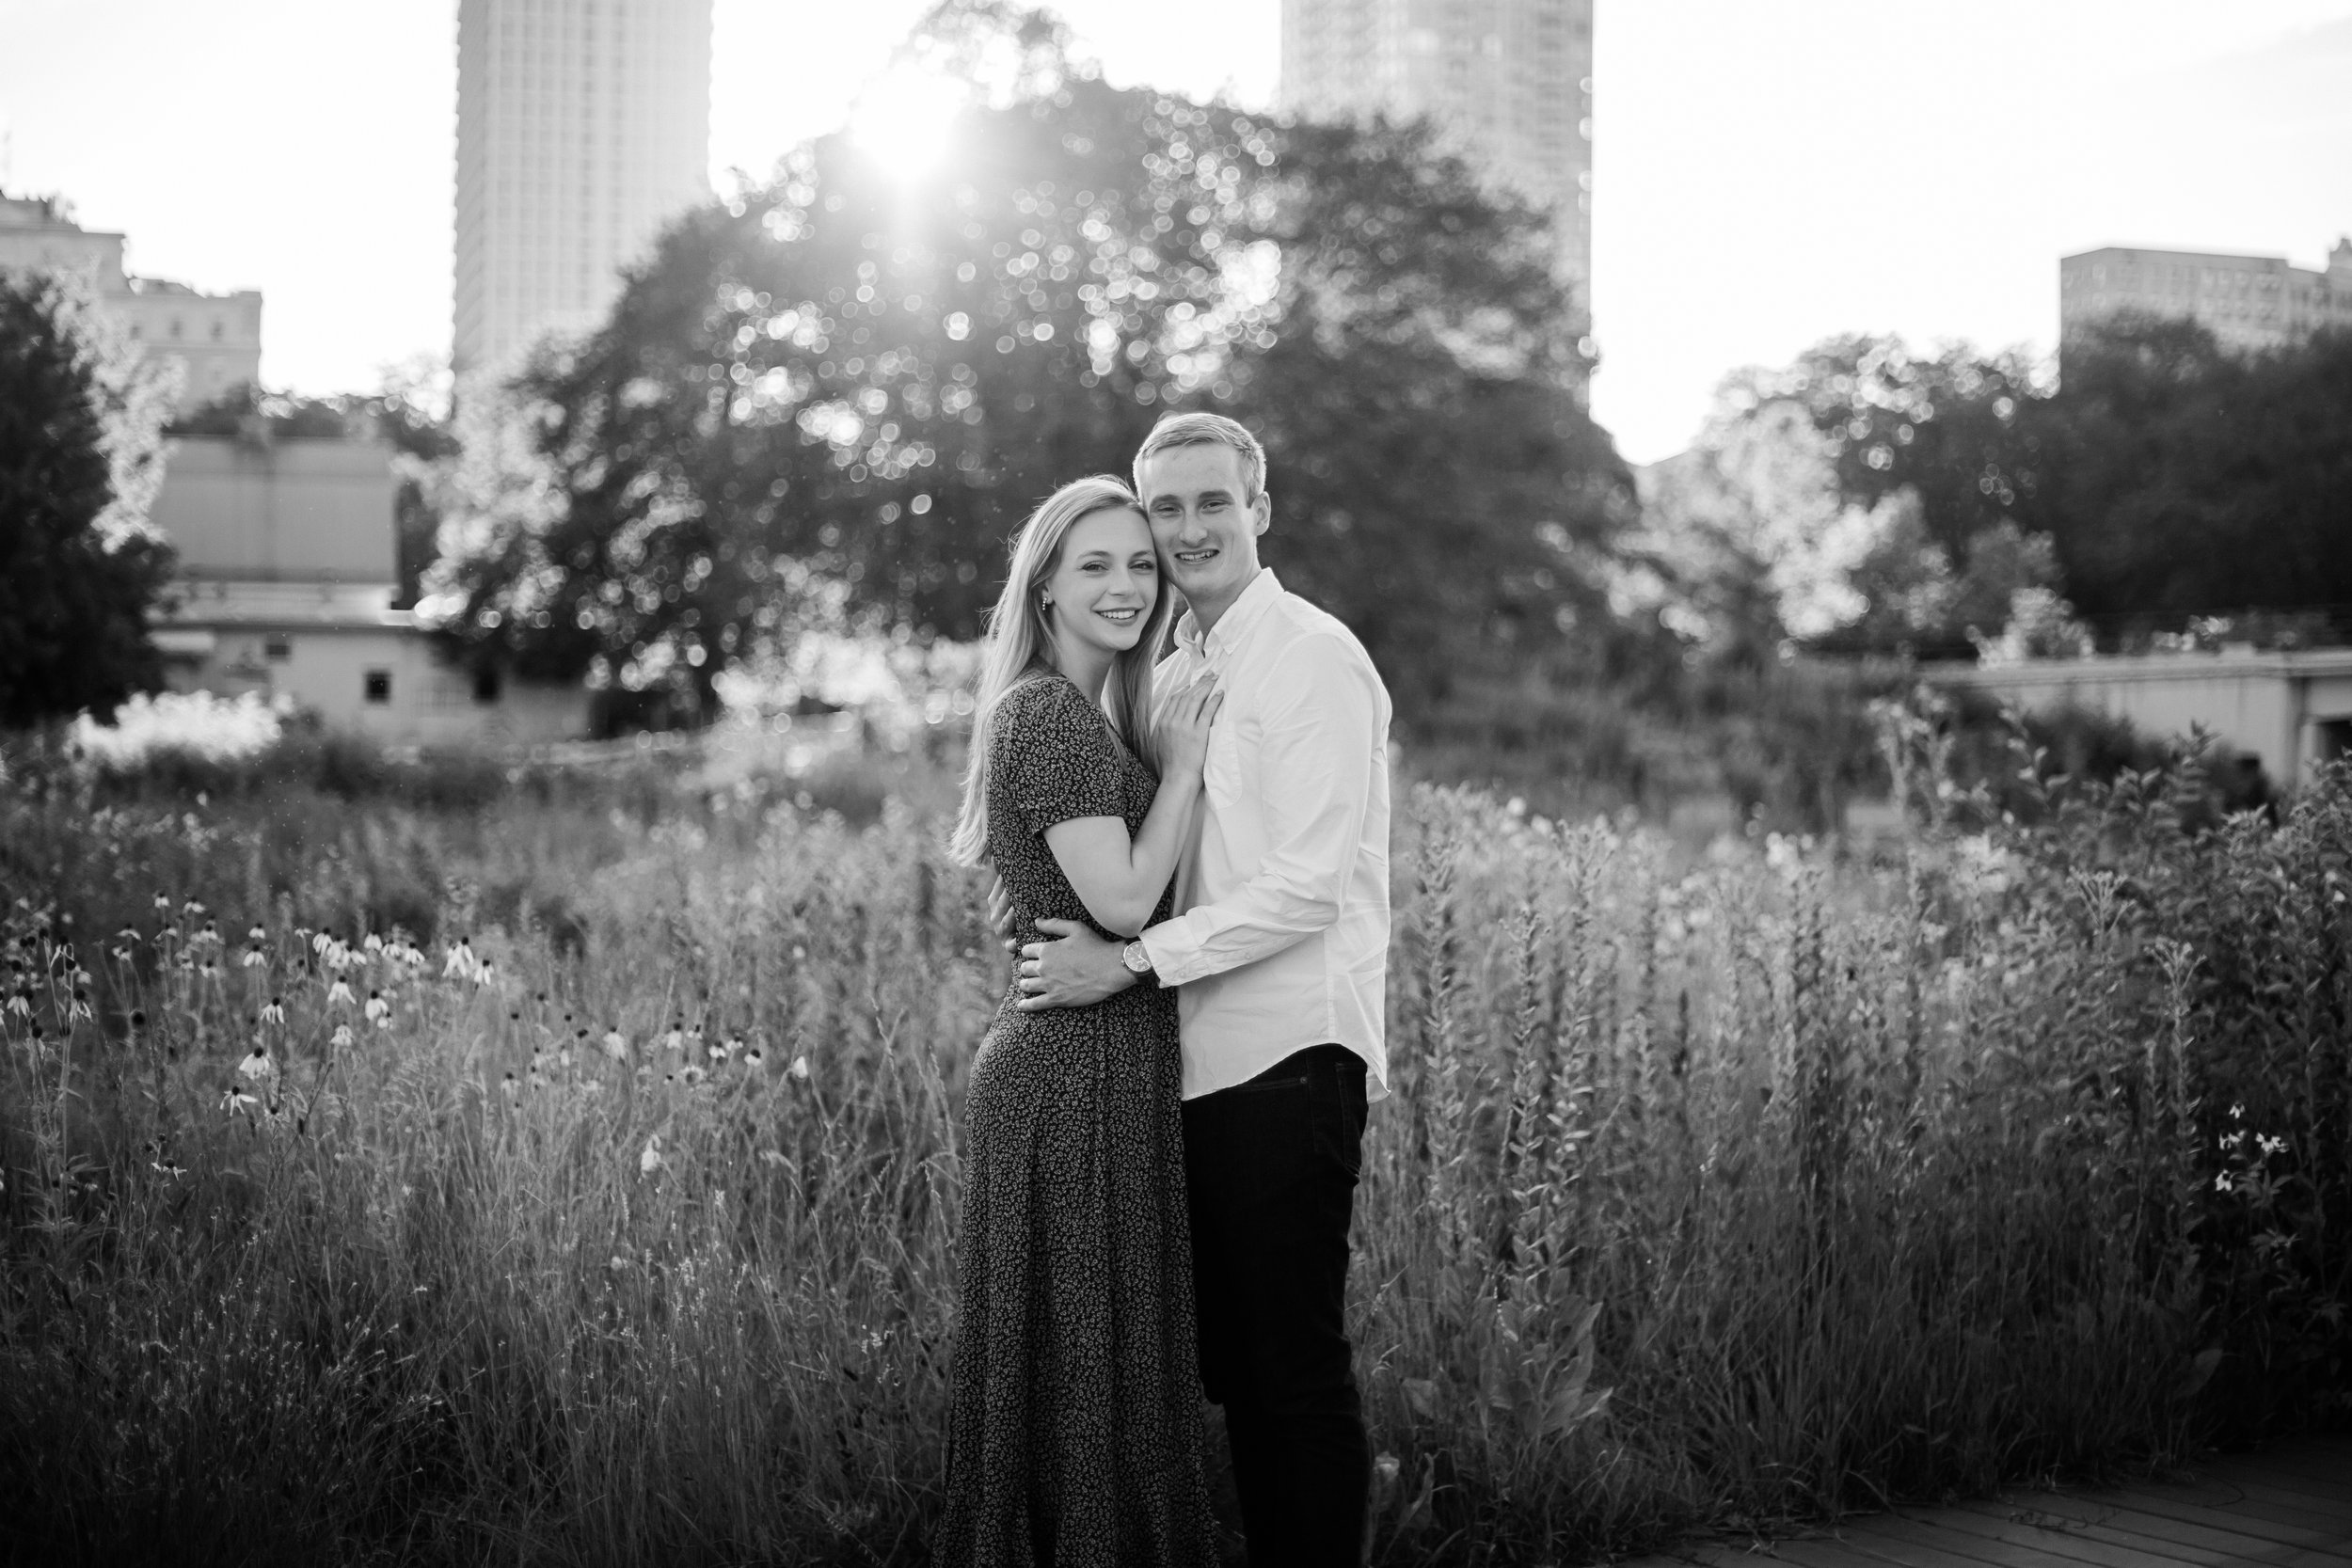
{"x":1437,"y":482}
{"x":2188,"y":480}
{"x":80,"y":456}
{"x":837,"y":395}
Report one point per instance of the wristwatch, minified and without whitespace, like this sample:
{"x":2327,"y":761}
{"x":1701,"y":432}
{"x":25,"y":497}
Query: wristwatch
{"x":1138,"y":963}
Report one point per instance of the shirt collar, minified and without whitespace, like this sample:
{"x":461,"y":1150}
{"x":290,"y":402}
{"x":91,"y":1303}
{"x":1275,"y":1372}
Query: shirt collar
{"x":1232,"y":627}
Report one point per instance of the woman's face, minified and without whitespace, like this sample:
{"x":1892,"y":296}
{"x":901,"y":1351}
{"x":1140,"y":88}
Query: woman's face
{"x":1102,"y":591}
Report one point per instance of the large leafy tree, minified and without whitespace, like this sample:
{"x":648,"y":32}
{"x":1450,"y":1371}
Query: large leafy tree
{"x":840,"y":393}
{"x":80,"y":456}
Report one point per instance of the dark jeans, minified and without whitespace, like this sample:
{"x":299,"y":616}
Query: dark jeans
{"x":1270,"y":1168}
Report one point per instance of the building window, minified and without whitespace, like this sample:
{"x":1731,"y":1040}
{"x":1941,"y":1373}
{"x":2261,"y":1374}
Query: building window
{"x":379,"y":686}
{"x":278,"y":648}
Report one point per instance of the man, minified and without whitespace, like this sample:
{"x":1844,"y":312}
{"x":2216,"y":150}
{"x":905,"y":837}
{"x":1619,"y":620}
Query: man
{"x":1280,"y":956}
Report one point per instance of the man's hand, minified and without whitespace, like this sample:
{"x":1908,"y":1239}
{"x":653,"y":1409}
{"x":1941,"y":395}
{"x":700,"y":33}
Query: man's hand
{"x":1074,"y":971}
{"x":1000,"y":914}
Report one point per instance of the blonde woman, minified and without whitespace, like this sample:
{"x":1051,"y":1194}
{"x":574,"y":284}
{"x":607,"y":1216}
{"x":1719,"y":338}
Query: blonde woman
{"x":1076,"y":1436}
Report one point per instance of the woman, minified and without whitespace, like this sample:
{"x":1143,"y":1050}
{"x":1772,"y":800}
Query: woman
{"x":1075,"y":1435}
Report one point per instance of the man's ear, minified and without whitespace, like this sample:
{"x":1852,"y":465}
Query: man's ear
{"x":1265,"y":511}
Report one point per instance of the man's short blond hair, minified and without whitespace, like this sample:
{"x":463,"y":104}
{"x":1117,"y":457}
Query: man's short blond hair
{"x":1205,"y":430}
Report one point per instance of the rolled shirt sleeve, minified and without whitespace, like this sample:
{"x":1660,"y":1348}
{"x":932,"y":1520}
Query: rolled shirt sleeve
{"x":1320,"y":741}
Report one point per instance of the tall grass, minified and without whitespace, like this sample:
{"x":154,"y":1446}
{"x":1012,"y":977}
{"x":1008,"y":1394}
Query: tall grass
{"x":1762,"y":1186}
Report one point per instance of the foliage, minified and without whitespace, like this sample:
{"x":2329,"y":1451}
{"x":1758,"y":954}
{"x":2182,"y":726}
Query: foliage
{"x":615,"y":1226}
{"x":2160,"y":479}
{"x":80,"y":456}
{"x":829,"y":401}
{"x":2186,"y":479}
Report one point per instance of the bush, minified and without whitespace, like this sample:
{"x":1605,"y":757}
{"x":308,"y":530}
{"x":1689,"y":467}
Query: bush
{"x":1748,"y":1191}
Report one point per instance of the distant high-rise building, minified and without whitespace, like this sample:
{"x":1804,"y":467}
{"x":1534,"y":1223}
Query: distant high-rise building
{"x":2248,"y":302}
{"x":1510,"y":80}
{"x":213,"y":341}
{"x":583,"y":126}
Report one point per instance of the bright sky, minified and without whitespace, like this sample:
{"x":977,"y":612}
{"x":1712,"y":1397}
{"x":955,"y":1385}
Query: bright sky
{"x":1765,"y":175}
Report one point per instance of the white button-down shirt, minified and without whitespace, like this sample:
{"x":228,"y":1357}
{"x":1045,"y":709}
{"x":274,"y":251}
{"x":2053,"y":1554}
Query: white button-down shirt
{"x":1281,"y":941}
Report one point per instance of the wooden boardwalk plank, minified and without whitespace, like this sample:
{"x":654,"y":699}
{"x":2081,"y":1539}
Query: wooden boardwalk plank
{"x":2289,"y":1507}
{"x":2229,"y":1501}
{"x":2101,"y":1549}
{"x":2266,"y":1489}
{"x":2185,"y":1524}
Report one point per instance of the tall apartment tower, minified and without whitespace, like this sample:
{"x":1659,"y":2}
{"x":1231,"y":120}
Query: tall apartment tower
{"x":1510,"y":80}
{"x":583,"y":126}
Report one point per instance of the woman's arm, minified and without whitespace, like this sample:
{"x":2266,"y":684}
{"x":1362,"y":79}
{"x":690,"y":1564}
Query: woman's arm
{"x":1120,"y":879}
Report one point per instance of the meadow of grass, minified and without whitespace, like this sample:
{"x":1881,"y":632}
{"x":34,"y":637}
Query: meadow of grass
{"x":571,"y":1176}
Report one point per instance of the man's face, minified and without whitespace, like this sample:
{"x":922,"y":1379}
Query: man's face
{"x":1206,"y":531}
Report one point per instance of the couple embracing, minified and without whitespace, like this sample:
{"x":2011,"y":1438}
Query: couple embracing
{"x":1163,"y":1122}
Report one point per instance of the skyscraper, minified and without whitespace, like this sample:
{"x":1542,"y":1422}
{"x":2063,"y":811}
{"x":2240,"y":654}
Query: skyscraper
{"x":1510,"y":81}
{"x":583,"y":126}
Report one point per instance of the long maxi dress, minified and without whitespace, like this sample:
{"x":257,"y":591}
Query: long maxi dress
{"x":1075,"y":1433}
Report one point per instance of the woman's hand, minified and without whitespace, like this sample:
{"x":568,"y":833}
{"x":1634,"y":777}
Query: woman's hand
{"x":1184,"y":726}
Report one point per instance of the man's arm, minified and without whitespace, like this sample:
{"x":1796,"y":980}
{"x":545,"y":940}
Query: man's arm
{"x":1317,"y":750}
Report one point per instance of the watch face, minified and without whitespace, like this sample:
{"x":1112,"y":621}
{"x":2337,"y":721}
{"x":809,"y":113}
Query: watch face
{"x":1136,"y":958}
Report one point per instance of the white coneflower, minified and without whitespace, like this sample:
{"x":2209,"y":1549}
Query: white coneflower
{"x":79,"y":1007}
{"x":257,"y":1065}
{"x":720,"y":1053}
{"x":191,"y":908}
{"x":128,"y":934}
{"x":21,"y":1002}
{"x":163,"y":901}
{"x":616,"y":1045}
{"x":256,"y":934}
{"x":512,"y":1088}
{"x":800,"y":1069}
{"x":692,"y":1075}
{"x":564,"y":1057}
{"x":378,"y":1010}
{"x":233,"y":1100}
{"x":254,"y":958}
{"x":373,"y":943}
{"x":321,"y":942}
{"x":676,"y":1038}
{"x":275,"y":1012}
{"x":650,"y":1159}
{"x":341,"y":1035}
{"x":461,"y":961}
{"x":754,"y":1056}
{"x":339,"y":994}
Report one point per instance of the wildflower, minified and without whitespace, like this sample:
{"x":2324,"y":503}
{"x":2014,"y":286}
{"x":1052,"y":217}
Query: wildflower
{"x":754,"y":1056}
{"x":257,"y":1065}
{"x":460,"y":960}
{"x":275,"y":1012}
{"x":163,"y":901}
{"x":379,"y":1012}
{"x":21,"y":1002}
{"x":2271,"y":1146}
{"x":191,"y":908}
{"x":80,"y":1008}
{"x":127,"y":934}
{"x":257,"y":934}
{"x":167,"y":1172}
{"x":373,"y":943}
{"x":341,"y":1035}
{"x":512,"y":1088}
{"x":676,"y":1038}
{"x":2221,"y":1183}
{"x":121,"y":955}
{"x":254,"y":958}
{"x":720,"y":1053}
{"x":563,"y":1058}
{"x":615,"y":1045}
{"x":692,"y":1075}
{"x":799,"y":1069}
{"x":234,"y":1100}
{"x":339,"y":994}
{"x":650,"y":1159}
{"x":321,"y":942}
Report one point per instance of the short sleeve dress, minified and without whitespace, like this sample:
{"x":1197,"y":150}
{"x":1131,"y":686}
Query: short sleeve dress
{"x":1076,"y":1435}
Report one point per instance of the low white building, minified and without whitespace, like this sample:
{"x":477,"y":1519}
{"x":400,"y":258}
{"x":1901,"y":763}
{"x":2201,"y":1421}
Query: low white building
{"x":2291,"y":710}
{"x":288,"y":570}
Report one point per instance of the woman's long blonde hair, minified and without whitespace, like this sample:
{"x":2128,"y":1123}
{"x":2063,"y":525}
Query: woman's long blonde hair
{"x":1019,"y":638}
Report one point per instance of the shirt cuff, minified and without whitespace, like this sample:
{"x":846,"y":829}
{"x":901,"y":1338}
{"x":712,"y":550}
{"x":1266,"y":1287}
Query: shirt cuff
{"x":1174,"y":952}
